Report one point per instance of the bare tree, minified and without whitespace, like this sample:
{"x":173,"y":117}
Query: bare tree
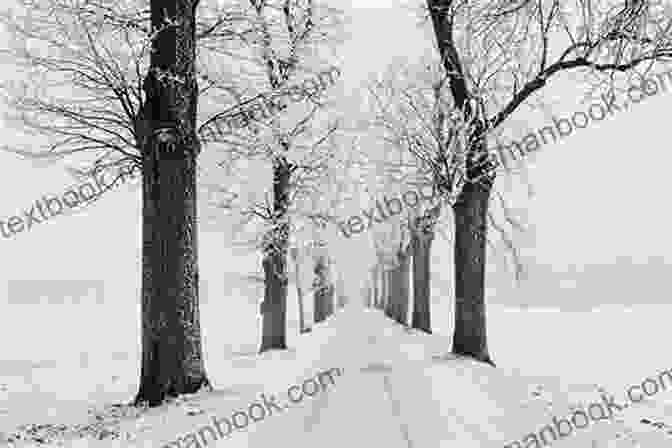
{"x":119,"y":80}
{"x":293,"y":26}
{"x":497,"y":55}
{"x":172,"y":361}
{"x":410,"y":117}
{"x":294,"y":252}
{"x":79,"y":86}
{"x":79,"y":78}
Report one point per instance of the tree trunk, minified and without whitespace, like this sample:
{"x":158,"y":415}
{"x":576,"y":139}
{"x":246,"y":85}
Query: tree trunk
{"x":172,"y":361}
{"x":404,"y":285}
{"x":374,"y":287}
{"x":397,"y":307}
{"x":471,"y":207}
{"x":339,"y":290}
{"x":385,"y":276}
{"x":422,"y":244}
{"x":393,"y":293}
{"x":274,"y":309}
{"x":382,"y":292}
{"x":342,"y":300}
{"x":471,"y":211}
{"x":391,"y":280}
{"x":299,"y":292}
{"x":323,"y":290}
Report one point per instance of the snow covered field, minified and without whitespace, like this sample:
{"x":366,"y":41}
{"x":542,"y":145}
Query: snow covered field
{"x":547,"y":360}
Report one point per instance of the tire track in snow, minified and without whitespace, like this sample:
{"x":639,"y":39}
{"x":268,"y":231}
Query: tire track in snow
{"x":396,"y":410}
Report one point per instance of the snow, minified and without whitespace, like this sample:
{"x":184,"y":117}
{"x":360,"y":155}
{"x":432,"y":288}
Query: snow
{"x":398,"y":388}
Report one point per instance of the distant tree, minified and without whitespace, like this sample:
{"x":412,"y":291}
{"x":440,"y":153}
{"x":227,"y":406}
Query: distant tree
{"x":296,"y":258}
{"x":323,"y":288}
{"x":422,"y":234}
{"x":279,"y":54}
{"x":299,"y":23}
{"x":399,"y":298}
{"x":414,"y":116}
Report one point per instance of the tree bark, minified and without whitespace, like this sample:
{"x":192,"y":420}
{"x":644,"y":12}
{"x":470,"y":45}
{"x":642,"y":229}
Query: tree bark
{"x":299,"y":292}
{"x":323,"y":290}
{"x":471,"y":211}
{"x":397,"y":307}
{"x":274,"y":309}
{"x":422,"y":244}
{"x":172,"y":360}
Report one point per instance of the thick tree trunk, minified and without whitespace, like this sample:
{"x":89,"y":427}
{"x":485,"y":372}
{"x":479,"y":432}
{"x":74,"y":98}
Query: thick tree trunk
{"x":274,"y":308}
{"x":397,"y":307}
{"x":471,"y":211}
{"x":471,"y":207}
{"x":172,"y":361}
{"x":323,"y":290}
{"x":422,"y":244}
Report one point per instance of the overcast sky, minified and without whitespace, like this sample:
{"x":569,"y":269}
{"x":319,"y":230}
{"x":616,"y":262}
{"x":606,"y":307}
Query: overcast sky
{"x":599,"y":194}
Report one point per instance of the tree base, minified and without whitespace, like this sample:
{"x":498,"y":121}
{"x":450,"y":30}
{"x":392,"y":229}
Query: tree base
{"x":484,"y":358}
{"x":267,"y":347}
{"x":154,"y":397}
{"x":421,"y":327}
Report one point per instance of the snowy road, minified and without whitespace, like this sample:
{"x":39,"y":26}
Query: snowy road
{"x":396,"y":389}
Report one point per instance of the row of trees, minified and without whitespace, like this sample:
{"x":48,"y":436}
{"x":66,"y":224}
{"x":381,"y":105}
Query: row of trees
{"x":131,"y":84}
{"x":495,"y":57}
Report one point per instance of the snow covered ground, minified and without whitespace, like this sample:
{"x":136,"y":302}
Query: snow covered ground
{"x":398,"y":389}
